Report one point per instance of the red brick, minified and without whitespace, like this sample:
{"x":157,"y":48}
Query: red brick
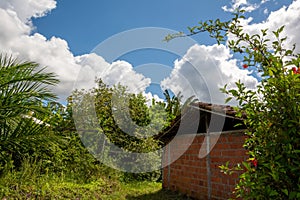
{"x":215,"y":152}
{"x":189,"y":173}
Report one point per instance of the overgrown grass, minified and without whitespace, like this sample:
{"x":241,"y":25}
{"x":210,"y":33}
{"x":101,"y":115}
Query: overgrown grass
{"x":29,"y":183}
{"x":56,"y":188}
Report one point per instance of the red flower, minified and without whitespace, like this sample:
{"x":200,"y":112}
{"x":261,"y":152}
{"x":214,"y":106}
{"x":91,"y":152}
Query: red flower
{"x":245,"y":66}
{"x":295,"y":70}
{"x":254,"y":162}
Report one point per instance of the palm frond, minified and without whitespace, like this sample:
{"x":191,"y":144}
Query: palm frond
{"x":23,"y":88}
{"x":23,"y":85}
{"x":25,"y":137}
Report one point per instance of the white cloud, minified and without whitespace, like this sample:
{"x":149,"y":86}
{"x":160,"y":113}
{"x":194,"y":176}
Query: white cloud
{"x":203,"y":68}
{"x":122,"y":72}
{"x":243,"y":5}
{"x":11,"y":27}
{"x":28,"y":8}
{"x":117,"y":72}
{"x":203,"y":71}
{"x":288,"y":16}
{"x":149,"y":97}
{"x":16,"y":39}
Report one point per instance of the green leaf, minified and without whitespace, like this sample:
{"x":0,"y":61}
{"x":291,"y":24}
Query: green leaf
{"x":247,"y":165}
{"x":273,"y":193}
{"x":228,"y":99}
{"x":270,"y":72}
{"x":233,"y":92}
{"x":280,"y":29}
{"x":285,"y":191}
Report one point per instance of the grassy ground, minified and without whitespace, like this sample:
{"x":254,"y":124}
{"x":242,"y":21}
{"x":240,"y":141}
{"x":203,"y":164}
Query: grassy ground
{"x":29,"y":183}
{"x":143,"y":191}
{"x":99,"y":190}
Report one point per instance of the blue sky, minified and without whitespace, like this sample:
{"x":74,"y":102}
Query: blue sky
{"x":61,"y":35}
{"x":84,"y":24}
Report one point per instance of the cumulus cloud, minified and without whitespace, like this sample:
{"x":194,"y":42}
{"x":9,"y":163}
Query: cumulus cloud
{"x":244,"y":5}
{"x":16,"y":38}
{"x":117,"y":72}
{"x":203,"y":71}
{"x":27,"y":9}
{"x":287,"y":15}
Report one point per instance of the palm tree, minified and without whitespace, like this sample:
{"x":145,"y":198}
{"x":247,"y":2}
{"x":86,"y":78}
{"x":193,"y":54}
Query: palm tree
{"x":24,"y":87}
{"x":174,"y":104}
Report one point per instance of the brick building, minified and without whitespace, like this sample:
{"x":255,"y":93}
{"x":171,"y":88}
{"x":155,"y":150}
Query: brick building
{"x":203,"y":138}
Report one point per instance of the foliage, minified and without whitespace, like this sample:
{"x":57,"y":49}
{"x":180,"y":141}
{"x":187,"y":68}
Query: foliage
{"x":23,"y":87}
{"x":174,"y":105}
{"x":273,"y":117}
{"x":71,"y":158}
{"x":38,"y":142}
{"x":127,"y":122}
{"x":60,"y":119}
{"x":41,"y":153}
{"x":30,"y":183}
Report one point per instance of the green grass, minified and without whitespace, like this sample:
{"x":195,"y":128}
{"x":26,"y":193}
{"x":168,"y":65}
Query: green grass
{"x":99,"y":189}
{"x":143,"y":191}
{"x":54,"y":188}
{"x":29,"y":183}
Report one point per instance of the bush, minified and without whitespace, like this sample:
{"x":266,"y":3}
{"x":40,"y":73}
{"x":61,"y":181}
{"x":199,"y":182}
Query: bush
{"x":273,"y":117}
{"x":115,"y":109}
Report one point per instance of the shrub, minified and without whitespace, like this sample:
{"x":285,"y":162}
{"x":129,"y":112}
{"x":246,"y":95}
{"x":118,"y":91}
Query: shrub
{"x":273,"y":117}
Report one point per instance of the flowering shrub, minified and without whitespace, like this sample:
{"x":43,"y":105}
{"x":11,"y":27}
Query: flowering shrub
{"x":295,"y":70}
{"x":273,"y":118}
{"x":254,"y":162}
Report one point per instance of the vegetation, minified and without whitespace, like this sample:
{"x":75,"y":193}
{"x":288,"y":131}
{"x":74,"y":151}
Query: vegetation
{"x":128,"y":124}
{"x":21,"y":93}
{"x":43,"y":157}
{"x":36,"y":150}
{"x":273,"y":117}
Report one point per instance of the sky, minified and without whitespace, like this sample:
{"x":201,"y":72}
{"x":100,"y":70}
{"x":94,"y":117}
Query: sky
{"x":122,"y":42}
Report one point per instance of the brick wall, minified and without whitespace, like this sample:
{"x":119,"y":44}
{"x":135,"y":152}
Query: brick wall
{"x":200,"y":177}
